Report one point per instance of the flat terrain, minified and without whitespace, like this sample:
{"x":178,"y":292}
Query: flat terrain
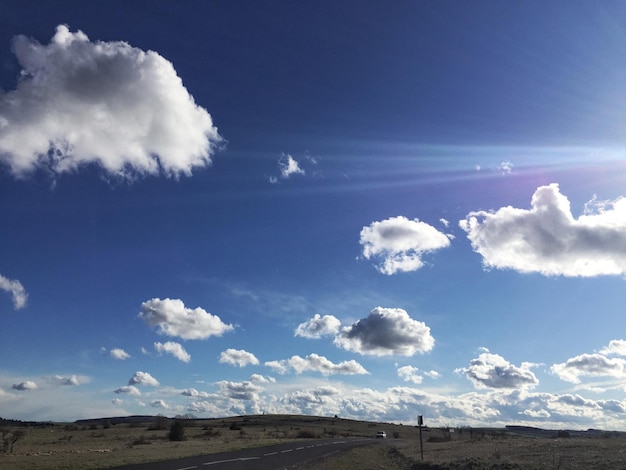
{"x":101,"y":444}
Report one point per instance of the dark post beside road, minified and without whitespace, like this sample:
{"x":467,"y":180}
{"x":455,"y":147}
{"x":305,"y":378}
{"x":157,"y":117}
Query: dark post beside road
{"x":420,"y":422}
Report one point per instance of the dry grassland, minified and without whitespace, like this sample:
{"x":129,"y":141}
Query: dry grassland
{"x":100,"y":445}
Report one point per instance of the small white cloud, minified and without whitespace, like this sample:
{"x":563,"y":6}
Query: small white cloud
{"x":505,"y":167}
{"x":238,"y":357}
{"x":143,"y":378}
{"x":493,"y":371}
{"x":192,"y":392}
{"x":173,"y":348}
{"x":289,"y":166}
{"x":316,"y":363}
{"x":384,"y":332}
{"x":400,"y":243}
{"x":80,"y":102}
{"x":159,"y":404}
{"x":589,"y":365}
{"x":410,"y":374}
{"x":318,"y":326}
{"x":119,"y":354}
{"x":13,"y":286}
{"x":262,"y":379}
{"x":117,"y":401}
{"x":173,"y":319}
{"x":547,"y":239}
{"x":128,"y":390}
{"x":27,"y":385}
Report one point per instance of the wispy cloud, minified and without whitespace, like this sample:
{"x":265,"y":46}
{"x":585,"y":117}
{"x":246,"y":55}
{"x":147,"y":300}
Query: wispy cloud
{"x":72,"y":380}
{"x":17,"y":291}
{"x":287,"y":166}
{"x":506,"y":167}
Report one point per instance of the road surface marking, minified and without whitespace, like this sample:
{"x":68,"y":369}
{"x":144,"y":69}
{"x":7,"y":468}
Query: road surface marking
{"x":241,"y":459}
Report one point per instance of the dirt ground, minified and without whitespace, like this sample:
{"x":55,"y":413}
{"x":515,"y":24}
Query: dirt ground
{"x":101,"y":445}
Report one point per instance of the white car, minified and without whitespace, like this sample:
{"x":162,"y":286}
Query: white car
{"x":381,"y":435}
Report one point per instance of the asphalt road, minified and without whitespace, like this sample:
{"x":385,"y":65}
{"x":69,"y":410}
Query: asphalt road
{"x":276,"y":457}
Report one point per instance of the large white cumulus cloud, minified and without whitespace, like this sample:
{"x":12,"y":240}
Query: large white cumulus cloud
{"x":384,"y":332}
{"x":547,"y":239}
{"x":109,"y":103}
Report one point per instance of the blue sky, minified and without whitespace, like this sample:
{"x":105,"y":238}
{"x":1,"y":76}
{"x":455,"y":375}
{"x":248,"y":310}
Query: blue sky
{"x":357,"y":208}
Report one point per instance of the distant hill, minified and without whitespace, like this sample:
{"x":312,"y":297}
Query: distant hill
{"x":551,"y":433}
{"x":135,"y":419}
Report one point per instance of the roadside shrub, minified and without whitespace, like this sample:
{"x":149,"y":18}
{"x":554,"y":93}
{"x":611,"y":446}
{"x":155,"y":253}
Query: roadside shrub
{"x":9,"y":438}
{"x":177,"y":431}
{"x":159,"y":424}
{"x":306,"y":435}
